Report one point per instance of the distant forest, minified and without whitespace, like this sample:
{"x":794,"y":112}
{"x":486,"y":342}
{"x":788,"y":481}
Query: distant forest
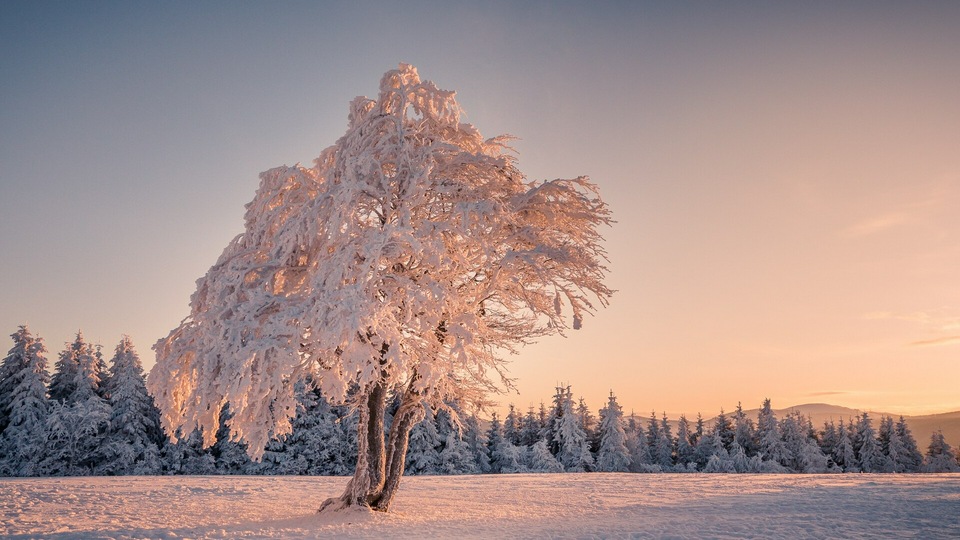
{"x":91,"y":417}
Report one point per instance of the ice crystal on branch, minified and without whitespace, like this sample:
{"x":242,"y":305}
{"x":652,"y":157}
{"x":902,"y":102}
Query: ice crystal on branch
{"x":409,"y":255}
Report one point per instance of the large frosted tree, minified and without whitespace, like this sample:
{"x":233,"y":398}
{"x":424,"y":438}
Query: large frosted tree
{"x":405,"y":262}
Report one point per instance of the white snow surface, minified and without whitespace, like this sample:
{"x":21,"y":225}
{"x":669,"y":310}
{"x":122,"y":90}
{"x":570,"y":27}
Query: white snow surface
{"x":591,"y":505}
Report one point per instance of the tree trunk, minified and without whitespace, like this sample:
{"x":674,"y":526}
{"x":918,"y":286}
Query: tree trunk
{"x":410,"y":412}
{"x":379,"y":465}
{"x":368,"y":477}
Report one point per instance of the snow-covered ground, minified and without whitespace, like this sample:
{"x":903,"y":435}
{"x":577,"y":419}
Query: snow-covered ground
{"x":492,"y":506}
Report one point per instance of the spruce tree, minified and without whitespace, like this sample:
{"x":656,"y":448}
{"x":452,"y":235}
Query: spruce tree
{"x":769,"y":441}
{"x":686,"y":452}
{"x":868,"y":449}
{"x":477,"y":442}
{"x":574,"y":449}
{"x":511,"y":426}
{"x":911,"y":460}
{"x":664,"y":447}
{"x":613,"y":455}
{"x":940,"y":455}
{"x":26,"y":406}
{"x":229,"y":453}
{"x":135,"y":437}
{"x":744,"y":431}
{"x":423,"y":454}
{"x":530,"y":433}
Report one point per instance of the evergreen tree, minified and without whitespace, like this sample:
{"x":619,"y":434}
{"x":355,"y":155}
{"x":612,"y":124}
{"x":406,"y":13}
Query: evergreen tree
{"x":940,"y":455}
{"x":911,"y":460}
{"x":511,"y":426}
{"x":653,"y":435}
{"x":530,"y":433}
{"x":769,"y":442}
{"x":744,"y":431}
{"x":664,"y":448}
{"x":828,"y":439}
{"x":613,"y":455}
{"x":26,"y":406}
{"x":423,"y":454}
{"x":640,"y":459}
{"x":476,"y":442}
{"x":135,"y":437}
{"x":723,"y":430}
{"x":541,"y":460}
{"x":844,"y":454}
{"x":686,"y":452}
{"x":229,"y":454}
{"x":574,"y":449}
{"x":868,"y":449}
{"x":455,"y":455}
{"x":589,"y":425}
{"x":64,"y":380}
{"x":188,"y":456}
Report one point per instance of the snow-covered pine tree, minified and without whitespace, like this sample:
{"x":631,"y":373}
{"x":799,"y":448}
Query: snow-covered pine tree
{"x":890,"y":445}
{"x":911,"y":460}
{"x":640,"y":458}
{"x":26,"y":406}
{"x":664,"y":448}
{"x":653,"y":435}
{"x":868,"y":449}
{"x":843,"y":454}
{"x":229,"y":452}
{"x":574,"y":449}
{"x":613,"y":455}
{"x":769,"y":441}
{"x":744,"y":431}
{"x":135,"y":437}
{"x":64,"y":380}
{"x":477,"y":443}
{"x":79,"y":418}
{"x":541,"y":460}
{"x":191,"y":457}
{"x":455,"y":454}
{"x":511,"y":426}
{"x":423,"y":455}
{"x":406,"y":260}
{"x":588,"y":423}
{"x":686,"y":451}
{"x":940,"y":455}
{"x":530,"y":433}
{"x":723,"y":430}
{"x":828,"y":439}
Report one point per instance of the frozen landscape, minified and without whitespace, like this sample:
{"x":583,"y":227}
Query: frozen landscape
{"x":492,"y":506}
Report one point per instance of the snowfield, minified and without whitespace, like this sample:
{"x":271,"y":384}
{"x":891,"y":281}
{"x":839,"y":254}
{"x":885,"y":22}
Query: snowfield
{"x":594,"y":505}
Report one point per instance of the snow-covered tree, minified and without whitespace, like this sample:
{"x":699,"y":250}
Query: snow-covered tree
{"x":477,"y":443}
{"x":613,"y":455}
{"x":843,"y":453}
{"x":940,"y":455}
{"x":511,"y":426}
{"x":423,"y":456}
{"x":134,"y":440}
{"x":686,"y":452}
{"x":404,"y":261}
{"x":229,"y":452}
{"x":769,"y":441}
{"x":530,"y":432}
{"x":744,"y":431}
{"x":456,"y":456}
{"x":76,"y":363}
{"x":664,"y":448}
{"x":911,"y":460}
{"x":723,"y":430}
{"x":541,"y":460}
{"x":25,"y":405}
{"x":574,"y":449}
{"x":868,"y":449}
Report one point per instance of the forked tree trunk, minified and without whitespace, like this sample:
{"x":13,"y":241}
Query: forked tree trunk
{"x":380,"y":463}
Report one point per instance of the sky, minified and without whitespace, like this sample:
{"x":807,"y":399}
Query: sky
{"x":785,"y":178}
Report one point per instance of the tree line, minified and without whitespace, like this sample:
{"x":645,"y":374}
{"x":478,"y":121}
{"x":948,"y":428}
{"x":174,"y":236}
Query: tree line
{"x":91,"y":417}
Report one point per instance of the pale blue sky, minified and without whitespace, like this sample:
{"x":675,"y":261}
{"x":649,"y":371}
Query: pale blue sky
{"x":786,"y":179}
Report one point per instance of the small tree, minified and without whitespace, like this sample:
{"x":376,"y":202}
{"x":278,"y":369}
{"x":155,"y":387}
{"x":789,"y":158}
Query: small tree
{"x":403,"y":262}
{"x":26,"y":405}
{"x":613,"y":455}
{"x":134,"y":440}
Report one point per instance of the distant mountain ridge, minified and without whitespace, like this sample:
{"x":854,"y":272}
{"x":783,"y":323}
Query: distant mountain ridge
{"x":922,"y":426}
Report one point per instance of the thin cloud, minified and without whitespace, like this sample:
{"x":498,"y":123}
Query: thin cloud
{"x":949,"y":340}
{"x":875,"y":225}
{"x":837,"y":393}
